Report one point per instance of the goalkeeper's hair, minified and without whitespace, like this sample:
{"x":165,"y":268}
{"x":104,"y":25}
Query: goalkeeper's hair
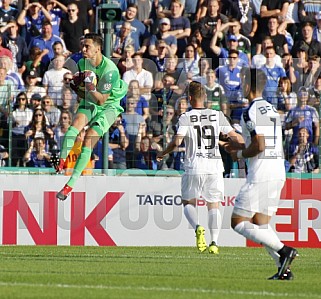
{"x":97,"y":39}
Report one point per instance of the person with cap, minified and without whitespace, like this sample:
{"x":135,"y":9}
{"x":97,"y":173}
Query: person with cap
{"x":31,"y":86}
{"x":232,"y":44}
{"x":163,"y":34}
{"x":35,"y":101}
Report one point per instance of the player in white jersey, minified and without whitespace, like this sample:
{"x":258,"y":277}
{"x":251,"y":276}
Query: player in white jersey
{"x":200,"y":129}
{"x":258,"y":199}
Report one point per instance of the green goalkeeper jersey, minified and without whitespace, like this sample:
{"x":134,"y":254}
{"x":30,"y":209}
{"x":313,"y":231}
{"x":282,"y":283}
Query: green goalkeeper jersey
{"x":108,"y":80}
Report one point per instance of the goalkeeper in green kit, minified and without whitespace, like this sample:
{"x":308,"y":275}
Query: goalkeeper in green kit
{"x":98,"y":108}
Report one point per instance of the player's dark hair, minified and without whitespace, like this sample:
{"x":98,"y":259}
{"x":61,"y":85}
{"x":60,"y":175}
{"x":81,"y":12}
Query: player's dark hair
{"x":97,"y":39}
{"x":196,"y":90}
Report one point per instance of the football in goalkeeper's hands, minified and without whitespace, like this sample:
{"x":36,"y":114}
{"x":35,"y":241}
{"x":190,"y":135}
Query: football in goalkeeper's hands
{"x":80,"y":79}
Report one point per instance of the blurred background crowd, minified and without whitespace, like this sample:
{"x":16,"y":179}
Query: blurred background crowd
{"x":159,"y":47}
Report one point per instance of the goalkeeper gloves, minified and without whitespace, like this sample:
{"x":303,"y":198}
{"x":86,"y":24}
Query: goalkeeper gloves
{"x":89,"y":83}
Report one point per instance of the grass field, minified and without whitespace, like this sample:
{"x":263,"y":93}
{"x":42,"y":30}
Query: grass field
{"x":152,"y":272}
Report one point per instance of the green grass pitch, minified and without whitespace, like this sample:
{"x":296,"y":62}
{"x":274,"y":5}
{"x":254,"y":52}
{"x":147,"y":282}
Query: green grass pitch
{"x":152,"y":272}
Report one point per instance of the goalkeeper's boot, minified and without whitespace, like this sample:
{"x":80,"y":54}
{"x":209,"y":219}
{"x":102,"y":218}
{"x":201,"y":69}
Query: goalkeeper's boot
{"x":60,"y":165}
{"x":64,"y":192}
{"x":288,"y":275}
{"x":213,"y":248}
{"x":287,"y":255}
{"x":200,"y":238}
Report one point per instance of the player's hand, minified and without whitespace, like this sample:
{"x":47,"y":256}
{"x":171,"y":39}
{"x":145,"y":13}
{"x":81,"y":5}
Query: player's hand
{"x":89,"y":82}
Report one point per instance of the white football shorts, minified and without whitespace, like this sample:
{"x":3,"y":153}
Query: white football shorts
{"x":262,"y":197}
{"x":208,"y":186}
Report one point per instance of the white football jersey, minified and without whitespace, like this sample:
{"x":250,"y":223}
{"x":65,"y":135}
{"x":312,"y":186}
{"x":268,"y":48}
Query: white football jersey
{"x":262,"y":118}
{"x":201,"y":129}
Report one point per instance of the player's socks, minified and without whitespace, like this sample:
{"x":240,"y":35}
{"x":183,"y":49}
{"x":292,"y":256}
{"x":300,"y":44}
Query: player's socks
{"x":68,"y":142}
{"x":214,"y":223}
{"x":262,"y":234}
{"x":81,"y":164}
{"x":274,"y":255}
{"x":191,"y":215}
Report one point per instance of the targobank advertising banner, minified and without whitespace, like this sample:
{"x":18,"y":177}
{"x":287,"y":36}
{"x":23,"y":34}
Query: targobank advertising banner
{"x":137,"y":211}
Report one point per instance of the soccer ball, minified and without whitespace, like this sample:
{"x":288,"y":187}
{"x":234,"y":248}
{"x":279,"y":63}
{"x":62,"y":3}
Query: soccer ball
{"x":80,"y":78}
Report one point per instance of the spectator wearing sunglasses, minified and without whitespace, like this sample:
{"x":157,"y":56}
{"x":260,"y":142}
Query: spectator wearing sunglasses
{"x":72,"y":28}
{"x":52,"y":113}
{"x":21,"y":117}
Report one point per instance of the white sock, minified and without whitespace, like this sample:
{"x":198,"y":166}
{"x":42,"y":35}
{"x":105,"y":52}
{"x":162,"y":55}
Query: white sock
{"x":214,"y":223}
{"x":274,"y":255}
{"x":261,"y":234}
{"x":191,"y":215}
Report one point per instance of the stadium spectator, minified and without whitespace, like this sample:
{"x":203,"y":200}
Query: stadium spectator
{"x":4,"y":52}
{"x":317,"y":29}
{"x":203,"y":67}
{"x":160,"y":59}
{"x":145,"y":156}
{"x":118,"y":142}
{"x":165,"y":95}
{"x":53,"y":79}
{"x":215,"y":95}
{"x":21,"y":117}
{"x":7,"y":12}
{"x":69,"y":101}
{"x":312,"y":72}
{"x":181,"y":106}
{"x":31,"y":86}
{"x":62,"y":128}
{"x":17,"y":45}
{"x":144,"y":77}
{"x":35,"y":101}
{"x":285,"y":97}
{"x":303,"y":116}
{"x":38,"y":128}
{"x":259,"y":60}
{"x":14,"y":77}
{"x":305,"y":155}
{"x":233,"y":44}
{"x":4,"y":155}
{"x":311,"y":46}
{"x":278,"y":40}
{"x":52,"y":113}
{"x":180,"y":26}
{"x":35,"y":62}
{"x":315,"y":94}
{"x":142,"y":106}
{"x":36,"y":155}
{"x":132,"y":120}
{"x":292,"y":18}
{"x":287,"y":63}
{"x":45,"y":41}
{"x":273,"y":74}
{"x":32,"y":17}
{"x":138,"y":29}
{"x":207,"y":26}
{"x":121,"y":40}
{"x":163,"y":34}
{"x":56,"y":10}
{"x":72,"y":28}
{"x":189,"y":65}
{"x":125,"y":62}
{"x":229,"y":77}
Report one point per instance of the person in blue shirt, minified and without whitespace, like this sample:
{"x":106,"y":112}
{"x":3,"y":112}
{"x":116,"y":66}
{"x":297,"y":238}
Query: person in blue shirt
{"x":232,"y":44}
{"x":229,"y":77}
{"x":45,"y":41}
{"x":273,"y":74}
{"x":36,"y":155}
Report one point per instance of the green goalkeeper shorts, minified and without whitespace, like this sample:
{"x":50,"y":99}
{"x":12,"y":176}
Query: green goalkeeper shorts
{"x":100,"y":118}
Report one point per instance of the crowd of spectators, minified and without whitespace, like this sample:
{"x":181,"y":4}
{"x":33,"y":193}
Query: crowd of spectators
{"x":159,"y":47}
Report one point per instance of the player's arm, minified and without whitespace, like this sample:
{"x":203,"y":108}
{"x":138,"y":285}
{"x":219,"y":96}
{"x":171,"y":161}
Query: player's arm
{"x":256,"y":146}
{"x":176,"y":142}
{"x":234,"y":142}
